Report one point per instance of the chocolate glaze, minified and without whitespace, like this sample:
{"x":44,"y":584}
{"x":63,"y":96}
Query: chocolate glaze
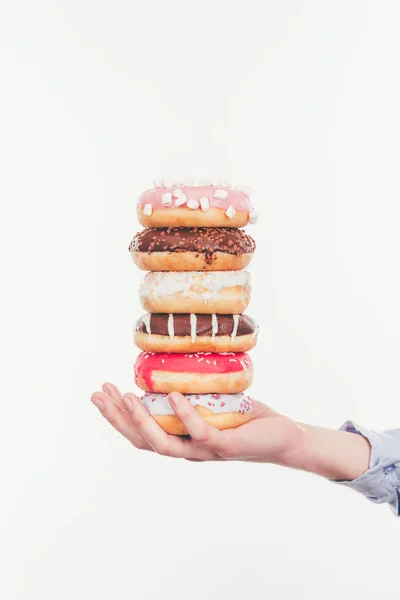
{"x":159,"y":325}
{"x":202,"y":240}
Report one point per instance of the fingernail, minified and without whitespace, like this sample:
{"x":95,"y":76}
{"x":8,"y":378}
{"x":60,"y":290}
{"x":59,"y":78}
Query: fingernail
{"x":127,"y":403}
{"x":97,"y":402}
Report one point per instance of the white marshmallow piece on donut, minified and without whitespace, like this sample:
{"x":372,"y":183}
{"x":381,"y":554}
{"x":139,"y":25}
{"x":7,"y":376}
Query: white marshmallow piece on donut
{"x":205,"y":203}
{"x":181,"y":200}
{"x":193,"y":204}
{"x":230,"y":212}
{"x":253,"y":217}
{"x":166,"y":199}
{"x":177,"y":193}
{"x":247,"y":190}
{"x":220,"y":194}
{"x":148,"y":209}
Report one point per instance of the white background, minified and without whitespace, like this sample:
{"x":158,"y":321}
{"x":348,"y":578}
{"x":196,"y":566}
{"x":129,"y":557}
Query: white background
{"x":300,"y":100}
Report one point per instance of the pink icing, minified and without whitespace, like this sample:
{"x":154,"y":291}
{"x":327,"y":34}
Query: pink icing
{"x":227,"y":362}
{"x":235,"y":198}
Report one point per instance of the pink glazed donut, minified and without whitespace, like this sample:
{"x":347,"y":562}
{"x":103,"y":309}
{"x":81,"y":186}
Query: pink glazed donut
{"x":224,"y":373}
{"x":195,"y":206}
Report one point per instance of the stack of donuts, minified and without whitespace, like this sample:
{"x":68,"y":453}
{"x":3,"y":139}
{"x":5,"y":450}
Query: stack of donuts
{"x":194,"y":335}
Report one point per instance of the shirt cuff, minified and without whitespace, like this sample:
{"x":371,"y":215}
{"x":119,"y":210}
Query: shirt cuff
{"x":381,"y":483}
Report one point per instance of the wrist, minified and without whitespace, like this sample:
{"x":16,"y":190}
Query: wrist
{"x":333,"y":454}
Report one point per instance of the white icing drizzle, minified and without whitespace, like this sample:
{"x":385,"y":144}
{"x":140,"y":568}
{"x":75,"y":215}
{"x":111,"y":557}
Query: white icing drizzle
{"x":157,"y":404}
{"x":235,"y":326}
{"x":146,"y":320}
{"x":171,"y":331}
{"x":193,"y":327}
{"x":214,"y":325}
{"x":206,"y":284}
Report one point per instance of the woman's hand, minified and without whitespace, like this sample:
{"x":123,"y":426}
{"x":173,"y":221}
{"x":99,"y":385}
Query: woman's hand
{"x":267,"y":437}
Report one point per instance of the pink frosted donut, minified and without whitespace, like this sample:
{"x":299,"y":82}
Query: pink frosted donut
{"x":195,"y":206}
{"x":224,"y":373}
{"x":223,"y":411}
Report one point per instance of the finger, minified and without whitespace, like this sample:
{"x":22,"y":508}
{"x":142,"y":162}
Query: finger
{"x":111,"y":390}
{"x":199,"y":430}
{"x":119,"y":420}
{"x":159,"y":440}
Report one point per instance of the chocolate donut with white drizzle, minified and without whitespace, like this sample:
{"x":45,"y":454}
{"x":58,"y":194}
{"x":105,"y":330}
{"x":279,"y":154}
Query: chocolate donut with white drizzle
{"x":186,"y":332}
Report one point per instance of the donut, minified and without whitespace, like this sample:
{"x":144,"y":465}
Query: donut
{"x":192,"y":249}
{"x":195,"y":206}
{"x":224,"y":373}
{"x":195,"y":333}
{"x":222,"y":292}
{"x":223,"y":411}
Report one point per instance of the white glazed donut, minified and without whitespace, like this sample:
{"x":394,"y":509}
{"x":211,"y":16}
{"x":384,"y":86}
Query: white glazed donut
{"x":195,"y":206}
{"x":223,"y":411}
{"x":223,"y":292}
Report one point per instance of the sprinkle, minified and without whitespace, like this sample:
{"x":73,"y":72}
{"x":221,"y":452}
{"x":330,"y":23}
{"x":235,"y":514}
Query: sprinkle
{"x":232,"y":360}
{"x":209,"y":403}
{"x":153,"y":399}
{"x":177,"y":193}
{"x":208,"y":362}
{"x":167,"y":183}
{"x":222,"y":404}
{"x":246,"y":189}
{"x":193,"y":204}
{"x":204,"y":203}
{"x":147,"y":356}
{"x":220,"y":194}
{"x":166,"y":199}
{"x":200,"y":359}
{"x":181,"y":200}
{"x":157,"y":183}
{"x":215,"y":362}
{"x":230,"y":211}
{"x":253,"y":217}
{"x":148,"y":209}
{"x":162,"y":360}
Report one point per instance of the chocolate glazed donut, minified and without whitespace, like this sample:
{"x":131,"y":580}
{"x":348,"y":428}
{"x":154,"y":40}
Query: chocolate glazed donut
{"x":195,"y":333}
{"x":192,"y":249}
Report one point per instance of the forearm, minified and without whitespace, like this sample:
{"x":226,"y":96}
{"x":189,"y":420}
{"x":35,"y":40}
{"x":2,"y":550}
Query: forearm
{"x":333,"y":454}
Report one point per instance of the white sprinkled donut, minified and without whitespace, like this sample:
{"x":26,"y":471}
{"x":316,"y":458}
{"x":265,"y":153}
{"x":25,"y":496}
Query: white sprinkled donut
{"x":223,"y":411}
